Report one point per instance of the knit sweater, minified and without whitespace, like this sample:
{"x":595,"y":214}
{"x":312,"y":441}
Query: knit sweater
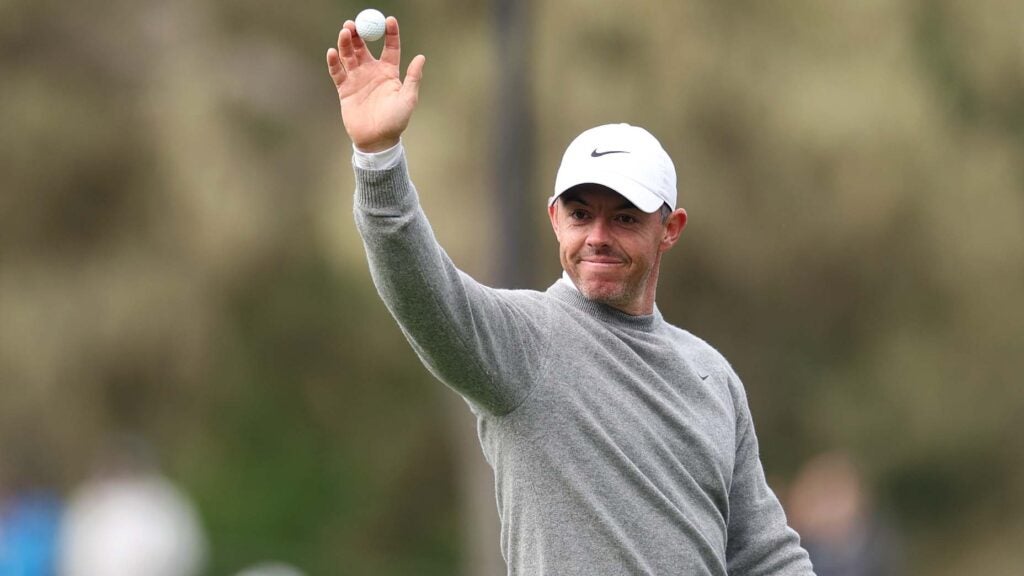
{"x":620,"y":444}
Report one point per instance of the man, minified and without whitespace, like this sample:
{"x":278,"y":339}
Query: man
{"x":620,"y":444}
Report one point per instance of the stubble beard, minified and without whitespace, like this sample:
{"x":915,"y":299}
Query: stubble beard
{"x":621,"y":294}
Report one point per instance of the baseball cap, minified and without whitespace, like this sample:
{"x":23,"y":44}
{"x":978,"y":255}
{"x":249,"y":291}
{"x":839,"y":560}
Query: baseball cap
{"x":625,"y":158}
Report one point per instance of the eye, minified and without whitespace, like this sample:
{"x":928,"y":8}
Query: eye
{"x":578,"y":214}
{"x":626,"y":218}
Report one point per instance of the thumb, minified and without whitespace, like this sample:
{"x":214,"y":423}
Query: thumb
{"x":413,"y":76}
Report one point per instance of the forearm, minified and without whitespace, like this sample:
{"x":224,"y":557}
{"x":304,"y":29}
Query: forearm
{"x":449,"y":319}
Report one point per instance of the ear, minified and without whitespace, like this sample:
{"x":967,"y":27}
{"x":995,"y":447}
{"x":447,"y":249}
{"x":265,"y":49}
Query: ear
{"x":673,"y":228}
{"x":553,"y":216}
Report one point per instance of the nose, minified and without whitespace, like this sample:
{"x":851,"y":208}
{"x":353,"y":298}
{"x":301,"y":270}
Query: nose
{"x":597,"y":235}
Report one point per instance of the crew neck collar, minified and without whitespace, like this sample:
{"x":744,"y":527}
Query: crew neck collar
{"x":565,"y":291}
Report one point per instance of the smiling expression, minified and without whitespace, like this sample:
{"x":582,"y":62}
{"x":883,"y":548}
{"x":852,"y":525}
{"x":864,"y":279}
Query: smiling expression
{"x":610,"y":248}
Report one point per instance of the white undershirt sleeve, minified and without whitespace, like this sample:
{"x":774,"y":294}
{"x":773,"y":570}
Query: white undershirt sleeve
{"x":382,"y":160}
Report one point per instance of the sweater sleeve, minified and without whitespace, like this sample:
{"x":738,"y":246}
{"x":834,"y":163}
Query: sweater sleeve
{"x":760,"y":542}
{"x":481,"y":342}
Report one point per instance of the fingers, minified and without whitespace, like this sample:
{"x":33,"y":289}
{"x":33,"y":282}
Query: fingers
{"x":392,"y":53}
{"x":334,"y":67}
{"x":352,"y":52}
{"x":362,"y":53}
{"x":346,"y":50}
{"x":413,"y":76}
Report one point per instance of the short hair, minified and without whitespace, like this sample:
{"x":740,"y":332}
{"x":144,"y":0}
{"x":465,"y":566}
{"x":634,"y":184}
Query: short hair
{"x":666,"y":211}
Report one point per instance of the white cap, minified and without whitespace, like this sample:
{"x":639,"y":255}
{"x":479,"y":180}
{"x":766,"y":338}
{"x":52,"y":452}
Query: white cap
{"x":625,"y":158}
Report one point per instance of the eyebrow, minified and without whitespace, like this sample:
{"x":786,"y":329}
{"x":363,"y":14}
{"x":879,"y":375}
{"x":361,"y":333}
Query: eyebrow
{"x":626,"y":204}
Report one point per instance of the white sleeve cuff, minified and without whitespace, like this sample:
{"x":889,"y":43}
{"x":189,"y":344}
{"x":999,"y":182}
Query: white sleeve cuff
{"x":378,"y":160}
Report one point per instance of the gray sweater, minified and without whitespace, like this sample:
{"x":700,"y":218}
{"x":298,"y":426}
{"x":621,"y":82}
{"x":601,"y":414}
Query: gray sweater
{"x":621,"y":445}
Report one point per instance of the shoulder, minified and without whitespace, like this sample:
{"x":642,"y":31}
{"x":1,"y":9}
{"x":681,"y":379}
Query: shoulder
{"x":527,"y":300}
{"x":700,"y":351}
{"x":526,"y":305}
{"x":710,"y":362}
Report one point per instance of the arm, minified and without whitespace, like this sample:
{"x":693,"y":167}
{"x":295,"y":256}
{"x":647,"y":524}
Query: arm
{"x":760,"y":541}
{"x":479,"y":341}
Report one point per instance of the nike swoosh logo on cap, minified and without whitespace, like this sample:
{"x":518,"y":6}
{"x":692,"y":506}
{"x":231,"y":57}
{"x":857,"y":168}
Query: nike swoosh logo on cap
{"x":597,"y":154}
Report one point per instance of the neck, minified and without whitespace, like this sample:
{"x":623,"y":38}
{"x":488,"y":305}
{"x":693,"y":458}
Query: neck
{"x":644,"y":304}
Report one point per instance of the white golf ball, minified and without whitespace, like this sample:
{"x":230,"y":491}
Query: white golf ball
{"x":370,"y":24}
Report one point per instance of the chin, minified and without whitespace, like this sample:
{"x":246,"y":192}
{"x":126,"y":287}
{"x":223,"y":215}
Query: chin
{"x":602,"y":292}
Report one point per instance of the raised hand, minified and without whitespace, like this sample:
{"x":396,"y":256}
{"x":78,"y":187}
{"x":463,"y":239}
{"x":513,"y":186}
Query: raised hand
{"x":375,"y":104}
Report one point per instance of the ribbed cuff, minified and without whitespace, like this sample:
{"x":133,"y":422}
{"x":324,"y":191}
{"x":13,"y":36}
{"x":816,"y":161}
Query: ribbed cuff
{"x":383,"y":188}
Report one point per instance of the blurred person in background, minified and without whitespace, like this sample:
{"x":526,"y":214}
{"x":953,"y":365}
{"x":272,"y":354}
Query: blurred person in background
{"x":828,"y":504}
{"x":30,"y":512}
{"x":130,"y":520}
{"x":620,"y":444}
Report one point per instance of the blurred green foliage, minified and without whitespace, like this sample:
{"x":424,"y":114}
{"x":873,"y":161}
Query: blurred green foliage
{"x":177,"y":256}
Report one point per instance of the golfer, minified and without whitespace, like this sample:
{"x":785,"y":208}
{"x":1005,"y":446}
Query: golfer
{"x":621,"y":444}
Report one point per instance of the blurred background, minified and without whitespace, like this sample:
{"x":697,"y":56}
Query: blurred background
{"x":184,"y":300}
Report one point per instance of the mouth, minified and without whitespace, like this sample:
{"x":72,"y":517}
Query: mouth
{"x":602,"y":262}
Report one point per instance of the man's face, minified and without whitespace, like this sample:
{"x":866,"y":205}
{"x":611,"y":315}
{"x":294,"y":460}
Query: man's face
{"x":610,"y":248}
